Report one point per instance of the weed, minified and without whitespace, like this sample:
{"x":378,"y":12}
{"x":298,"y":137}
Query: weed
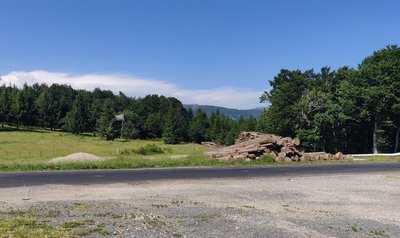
{"x":177,"y":202}
{"x":380,"y":233}
{"x":197,"y":203}
{"x":206,"y":217}
{"x":149,"y":149}
{"x":74,"y":224}
{"x":52,"y":213}
{"x":102,"y":214}
{"x":103,"y":224}
{"x":14,"y":212}
{"x":126,"y":216}
{"x":27,"y":227}
{"x":159,"y":206}
{"x":356,"y":228}
{"x":82,"y":207}
{"x":267,"y":159}
{"x":153,"y":221}
{"x":125,"y":151}
{"x":87,"y":232}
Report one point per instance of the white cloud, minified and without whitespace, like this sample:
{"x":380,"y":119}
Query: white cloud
{"x":139,"y":87}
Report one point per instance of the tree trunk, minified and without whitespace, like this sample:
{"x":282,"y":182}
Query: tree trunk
{"x":375,"y":136}
{"x":396,"y":146}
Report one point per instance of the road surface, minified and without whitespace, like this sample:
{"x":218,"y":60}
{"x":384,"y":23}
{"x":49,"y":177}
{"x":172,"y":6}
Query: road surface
{"x":18,"y":179}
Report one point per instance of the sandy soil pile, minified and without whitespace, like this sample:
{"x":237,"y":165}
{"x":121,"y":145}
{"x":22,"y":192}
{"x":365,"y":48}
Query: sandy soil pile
{"x":76,"y":157}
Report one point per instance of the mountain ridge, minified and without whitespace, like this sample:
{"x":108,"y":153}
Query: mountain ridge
{"x":230,"y":112}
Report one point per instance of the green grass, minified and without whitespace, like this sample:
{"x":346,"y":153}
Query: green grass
{"x":41,"y":145}
{"x":32,"y":150}
{"x":372,"y":159}
{"x":26,"y":224}
{"x":26,"y":150}
{"x":28,"y":227}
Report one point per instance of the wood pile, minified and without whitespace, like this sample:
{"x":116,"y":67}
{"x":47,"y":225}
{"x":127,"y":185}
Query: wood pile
{"x":252,"y":145}
{"x":210,"y":144}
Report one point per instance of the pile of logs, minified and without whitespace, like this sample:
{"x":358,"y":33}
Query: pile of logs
{"x":252,"y":145}
{"x":211,"y":145}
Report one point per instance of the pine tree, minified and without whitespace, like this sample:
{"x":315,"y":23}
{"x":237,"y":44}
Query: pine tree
{"x":26,"y":106}
{"x":176,"y":127}
{"x":78,"y":119}
{"x":198,"y":127}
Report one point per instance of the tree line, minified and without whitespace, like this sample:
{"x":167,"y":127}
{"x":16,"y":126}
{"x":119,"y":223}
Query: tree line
{"x":353,"y":110}
{"x":349,"y":110}
{"x":60,"y":107}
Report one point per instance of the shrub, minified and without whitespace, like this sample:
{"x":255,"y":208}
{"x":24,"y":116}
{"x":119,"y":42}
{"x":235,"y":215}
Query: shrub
{"x":267,"y":159}
{"x":125,"y":151}
{"x":149,"y":149}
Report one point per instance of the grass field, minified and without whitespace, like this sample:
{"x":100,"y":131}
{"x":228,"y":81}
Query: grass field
{"x":31,"y":150}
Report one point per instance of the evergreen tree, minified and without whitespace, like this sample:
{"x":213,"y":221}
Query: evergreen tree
{"x":26,"y":106}
{"x":78,"y":120}
{"x":176,"y":127}
{"x":198,"y":127}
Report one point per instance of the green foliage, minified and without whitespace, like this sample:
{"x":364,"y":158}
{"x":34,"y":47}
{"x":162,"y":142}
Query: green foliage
{"x":78,"y":111}
{"x":348,"y":110}
{"x":149,"y":149}
{"x":28,"y":227}
{"x":198,"y":127}
{"x":267,"y":159}
{"x":79,"y":120}
{"x":176,"y":126}
{"x":310,"y":139}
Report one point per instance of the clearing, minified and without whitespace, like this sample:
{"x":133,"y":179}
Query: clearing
{"x":33,"y":150}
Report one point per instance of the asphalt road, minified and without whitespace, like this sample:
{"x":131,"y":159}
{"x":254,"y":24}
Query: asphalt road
{"x":17,"y":179}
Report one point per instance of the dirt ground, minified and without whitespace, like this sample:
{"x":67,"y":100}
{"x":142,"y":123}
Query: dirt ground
{"x":364,"y":205}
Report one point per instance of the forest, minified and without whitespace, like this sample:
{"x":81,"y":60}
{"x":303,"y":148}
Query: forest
{"x":60,"y":107}
{"x":352,"y":110}
{"x":348,"y":110}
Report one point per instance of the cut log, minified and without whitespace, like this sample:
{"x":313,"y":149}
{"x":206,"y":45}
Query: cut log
{"x":338,"y":156}
{"x":272,"y":154}
{"x":288,"y":160}
{"x":282,"y":154}
{"x":296,"y":142}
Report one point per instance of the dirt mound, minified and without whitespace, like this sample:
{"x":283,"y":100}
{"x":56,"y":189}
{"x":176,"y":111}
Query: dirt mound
{"x":76,"y":157}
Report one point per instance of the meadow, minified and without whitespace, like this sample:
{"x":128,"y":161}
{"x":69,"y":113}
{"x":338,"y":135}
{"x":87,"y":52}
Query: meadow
{"x":28,"y":150}
{"x":31,"y":150}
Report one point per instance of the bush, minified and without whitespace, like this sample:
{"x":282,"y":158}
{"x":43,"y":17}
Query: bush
{"x":125,"y":151}
{"x":267,"y":159}
{"x":149,"y":149}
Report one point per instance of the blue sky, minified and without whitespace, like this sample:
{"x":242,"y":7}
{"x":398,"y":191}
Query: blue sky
{"x":220,"y":52}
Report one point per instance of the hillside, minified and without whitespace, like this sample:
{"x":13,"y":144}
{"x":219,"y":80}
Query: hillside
{"x":233,"y":113}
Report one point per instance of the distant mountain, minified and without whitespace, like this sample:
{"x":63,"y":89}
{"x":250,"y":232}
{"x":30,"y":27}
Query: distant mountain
{"x":233,"y":113}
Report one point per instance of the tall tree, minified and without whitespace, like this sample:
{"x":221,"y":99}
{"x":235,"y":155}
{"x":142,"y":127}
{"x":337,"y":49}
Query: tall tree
{"x":198,"y":127}
{"x":79,"y":120}
{"x":380,"y":78}
{"x":54,"y":103}
{"x":287,"y":88}
{"x":27,"y":112}
{"x":176,"y":126}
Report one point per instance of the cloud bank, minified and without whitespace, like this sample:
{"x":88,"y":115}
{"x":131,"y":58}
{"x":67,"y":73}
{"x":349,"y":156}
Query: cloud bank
{"x":139,"y":87}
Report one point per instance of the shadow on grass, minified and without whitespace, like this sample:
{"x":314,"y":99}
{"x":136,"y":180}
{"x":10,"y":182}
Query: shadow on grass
{"x":39,"y":130}
{"x":13,"y":129}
